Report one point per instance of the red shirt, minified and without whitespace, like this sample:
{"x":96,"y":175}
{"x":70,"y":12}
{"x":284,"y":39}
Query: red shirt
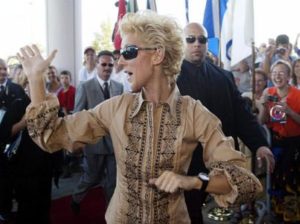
{"x":67,"y":98}
{"x":291,"y":128}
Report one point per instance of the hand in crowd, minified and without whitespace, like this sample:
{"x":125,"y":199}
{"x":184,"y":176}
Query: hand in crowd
{"x":171,"y":182}
{"x":265,"y":153}
{"x":33,"y":63}
{"x":284,"y":108}
{"x":270,"y":51}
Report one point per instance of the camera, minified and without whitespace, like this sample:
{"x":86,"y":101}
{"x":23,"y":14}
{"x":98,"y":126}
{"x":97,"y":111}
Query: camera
{"x":280,"y":50}
{"x":276,"y":113}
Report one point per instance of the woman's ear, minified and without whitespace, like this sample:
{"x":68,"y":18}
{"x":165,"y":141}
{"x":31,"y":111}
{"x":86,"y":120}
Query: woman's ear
{"x":158,"y":56}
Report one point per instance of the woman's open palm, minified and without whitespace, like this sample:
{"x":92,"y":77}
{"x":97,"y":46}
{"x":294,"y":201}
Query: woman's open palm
{"x":33,"y":62}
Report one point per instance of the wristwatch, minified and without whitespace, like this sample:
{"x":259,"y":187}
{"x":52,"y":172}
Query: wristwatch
{"x":205,"y":179}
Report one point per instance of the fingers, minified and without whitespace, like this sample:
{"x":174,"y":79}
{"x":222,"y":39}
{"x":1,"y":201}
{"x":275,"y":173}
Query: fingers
{"x":20,"y":58}
{"x":51,"y":57}
{"x":167,"y":182}
{"x":24,"y":53}
{"x":36,"y":50}
{"x":29,"y":51}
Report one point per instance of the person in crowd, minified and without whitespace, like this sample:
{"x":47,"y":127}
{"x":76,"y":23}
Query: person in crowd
{"x":99,"y":164}
{"x":261,"y":80}
{"x":66,"y":98}
{"x":281,"y":113}
{"x":296,"y":49}
{"x":88,"y":71}
{"x":215,"y":88}
{"x":154,"y":130}
{"x":53,"y":84}
{"x":25,"y":171}
{"x":66,"y":95}
{"x":296,"y":73}
{"x":281,"y":50}
{"x":15,"y":72}
{"x":242,"y":75}
{"x":119,"y":74}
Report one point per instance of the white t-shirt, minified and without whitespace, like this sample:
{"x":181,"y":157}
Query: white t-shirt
{"x":84,"y":75}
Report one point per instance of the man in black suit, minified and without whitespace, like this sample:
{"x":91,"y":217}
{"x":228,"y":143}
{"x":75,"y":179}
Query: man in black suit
{"x":8,"y":93}
{"x":27,"y":174}
{"x":215,"y":88}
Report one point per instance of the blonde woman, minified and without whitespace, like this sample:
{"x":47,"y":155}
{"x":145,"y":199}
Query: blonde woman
{"x":154,"y":130}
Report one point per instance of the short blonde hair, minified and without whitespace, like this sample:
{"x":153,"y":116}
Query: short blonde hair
{"x":282,"y":62}
{"x":157,"y":31}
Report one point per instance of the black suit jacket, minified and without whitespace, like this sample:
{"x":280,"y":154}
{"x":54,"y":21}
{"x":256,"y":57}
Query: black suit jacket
{"x":215,"y":88}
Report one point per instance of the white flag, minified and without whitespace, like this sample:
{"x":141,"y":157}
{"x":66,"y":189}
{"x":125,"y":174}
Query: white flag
{"x":237,"y":32}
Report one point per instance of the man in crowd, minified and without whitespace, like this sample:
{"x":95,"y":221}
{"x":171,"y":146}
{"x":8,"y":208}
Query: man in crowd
{"x":215,"y":88}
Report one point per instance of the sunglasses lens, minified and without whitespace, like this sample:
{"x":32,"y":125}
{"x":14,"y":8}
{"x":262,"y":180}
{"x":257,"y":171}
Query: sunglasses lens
{"x":105,"y":64}
{"x":202,"y":39}
{"x":129,"y":53}
{"x":190,"y":40}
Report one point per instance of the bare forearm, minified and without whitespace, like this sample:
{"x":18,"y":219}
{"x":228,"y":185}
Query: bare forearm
{"x":37,"y":90}
{"x":294,"y":116}
{"x":217,"y":185}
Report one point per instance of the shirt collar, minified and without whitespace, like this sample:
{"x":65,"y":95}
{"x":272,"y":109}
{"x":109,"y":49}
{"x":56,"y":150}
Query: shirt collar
{"x":4,"y":84}
{"x":171,"y":102}
{"x":101,"y":81}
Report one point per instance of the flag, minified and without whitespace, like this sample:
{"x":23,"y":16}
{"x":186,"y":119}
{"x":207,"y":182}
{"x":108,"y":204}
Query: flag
{"x":187,"y":11}
{"x":116,"y":35}
{"x":212,"y":20}
{"x":151,"y":4}
{"x":230,"y":23}
{"x":132,"y":6}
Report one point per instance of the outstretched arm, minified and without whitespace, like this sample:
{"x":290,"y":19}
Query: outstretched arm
{"x":35,"y":66}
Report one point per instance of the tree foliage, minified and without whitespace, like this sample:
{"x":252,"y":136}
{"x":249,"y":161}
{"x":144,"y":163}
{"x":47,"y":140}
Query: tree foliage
{"x":102,"y":39}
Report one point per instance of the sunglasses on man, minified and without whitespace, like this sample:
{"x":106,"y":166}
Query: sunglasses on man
{"x":131,"y":51}
{"x":107,"y":64}
{"x":191,"y":39}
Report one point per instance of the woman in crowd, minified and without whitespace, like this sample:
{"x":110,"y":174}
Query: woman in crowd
{"x":53,"y":84}
{"x":88,"y":70}
{"x":281,"y":113}
{"x":296,"y":73}
{"x":154,"y":130}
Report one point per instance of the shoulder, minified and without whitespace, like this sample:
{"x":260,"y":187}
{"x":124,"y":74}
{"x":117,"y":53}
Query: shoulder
{"x":118,"y":84}
{"x":15,"y":87}
{"x":119,"y":102}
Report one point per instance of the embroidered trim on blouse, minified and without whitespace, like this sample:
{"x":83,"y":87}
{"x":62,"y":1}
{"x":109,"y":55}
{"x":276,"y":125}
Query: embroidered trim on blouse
{"x":42,"y":122}
{"x":244,"y":183}
{"x":146,"y":204}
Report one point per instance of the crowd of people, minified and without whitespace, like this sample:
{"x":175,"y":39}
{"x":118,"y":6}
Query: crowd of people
{"x":158,"y":124}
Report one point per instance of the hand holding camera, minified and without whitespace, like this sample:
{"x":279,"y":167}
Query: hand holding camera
{"x":277,"y":110}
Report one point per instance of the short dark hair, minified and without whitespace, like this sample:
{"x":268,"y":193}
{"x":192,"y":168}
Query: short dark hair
{"x":116,"y":52}
{"x":66,"y":72}
{"x":105,"y":53}
{"x":89,"y":49}
{"x":282,"y":39}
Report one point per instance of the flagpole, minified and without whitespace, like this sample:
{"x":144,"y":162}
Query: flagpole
{"x":253,"y":77}
{"x":219,"y":10}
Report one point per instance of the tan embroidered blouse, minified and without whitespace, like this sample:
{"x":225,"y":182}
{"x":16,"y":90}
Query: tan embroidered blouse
{"x":148,"y":139}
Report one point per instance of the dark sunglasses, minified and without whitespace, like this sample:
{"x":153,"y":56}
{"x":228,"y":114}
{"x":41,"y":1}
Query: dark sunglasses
{"x":131,"y":52}
{"x":105,"y":64}
{"x":191,"y":39}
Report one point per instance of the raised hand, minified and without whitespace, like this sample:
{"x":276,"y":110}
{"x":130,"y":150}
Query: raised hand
{"x":33,"y":63}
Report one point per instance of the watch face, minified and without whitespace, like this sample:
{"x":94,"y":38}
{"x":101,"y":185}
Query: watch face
{"x":203,"y":176}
